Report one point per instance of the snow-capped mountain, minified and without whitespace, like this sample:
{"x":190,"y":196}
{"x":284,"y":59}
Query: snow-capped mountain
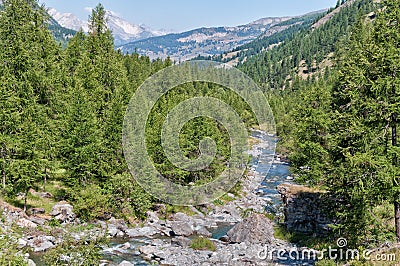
{"x":122,"y":30}
{"x":68,"y":20}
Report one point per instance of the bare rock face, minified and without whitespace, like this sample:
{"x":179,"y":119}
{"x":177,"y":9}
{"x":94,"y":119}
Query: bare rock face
{"x":256,"y":229}
{"x":306,"y":210}
{"x":62,"y":212}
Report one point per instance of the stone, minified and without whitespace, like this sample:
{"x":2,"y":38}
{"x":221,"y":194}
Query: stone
{"x":46,"y":195}
{"x":126,"y":245}
{"x":25,"y":223}
{"x":35,"y":211}
{"x":306,"y":210}
{"x":180,"y":228}
{"x":126,"y":263}
{"x":112,"y":230}
{"x":37,"y":220}
{"x":41,"y":243}
{"x":181,"y":241}
{"x":31,"y":263}
{"x":256,"y":229}
{"x":22,"y":243}
{"x":152,"y":217}
{"x":62,"y":212}
{"x":201,"y":231}
{"x":141,"y":231}
{"x":118,"y":223}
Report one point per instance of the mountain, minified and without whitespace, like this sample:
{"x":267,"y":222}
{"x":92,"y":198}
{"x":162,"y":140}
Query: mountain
{"x":211,"y":42}
{"x":123,"y":31}
{"x":273,"y":37}
{"x":278,"y":63}
{"x":202,"y":41}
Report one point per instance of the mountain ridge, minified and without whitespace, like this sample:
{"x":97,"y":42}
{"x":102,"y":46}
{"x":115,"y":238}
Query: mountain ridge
{"x":122,"y":30}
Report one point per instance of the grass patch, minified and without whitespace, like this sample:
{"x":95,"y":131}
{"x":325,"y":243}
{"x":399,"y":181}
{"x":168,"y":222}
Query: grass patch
{"x":202,"y":243}
{"x":171,"y":209}
{"x":304,"y":240}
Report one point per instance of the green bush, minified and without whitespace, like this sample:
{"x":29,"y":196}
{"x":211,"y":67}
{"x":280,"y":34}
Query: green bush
{"x":91,"y":202}
{"x":202,"y":243}
{"x":72,"y":252}
{"x":326,"y":262}
{"x":9,"y":254}
{"x":128,"y":198}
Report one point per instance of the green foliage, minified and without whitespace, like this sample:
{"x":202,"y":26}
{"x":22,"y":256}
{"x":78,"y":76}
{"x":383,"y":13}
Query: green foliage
{"x":91,"y":202}
{"x":343,"y":125}
{"x":9,"y":253}
{"x":202,"y":243}
{"x":128,"y":197}
{"x":72,"y":252}
{"x":326,"y":262}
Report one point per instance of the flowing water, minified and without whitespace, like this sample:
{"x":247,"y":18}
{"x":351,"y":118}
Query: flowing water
{"x":272,"y":174}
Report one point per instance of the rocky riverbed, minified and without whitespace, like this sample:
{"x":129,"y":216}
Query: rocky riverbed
{"x":240,"y":231}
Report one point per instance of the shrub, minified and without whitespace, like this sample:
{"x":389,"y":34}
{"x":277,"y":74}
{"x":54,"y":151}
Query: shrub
{"x":202,"y":243}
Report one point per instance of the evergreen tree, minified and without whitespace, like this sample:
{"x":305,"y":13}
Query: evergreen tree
{"x":28,"y":57}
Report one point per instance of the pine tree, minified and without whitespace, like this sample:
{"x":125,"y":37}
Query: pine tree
{"x":28,"y":54}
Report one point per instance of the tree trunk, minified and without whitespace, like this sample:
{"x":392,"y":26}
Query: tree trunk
{"x":45,"y":179}
{"x":3,"y":170}
{"x":397,"y":196}
{"x":25,"y":199}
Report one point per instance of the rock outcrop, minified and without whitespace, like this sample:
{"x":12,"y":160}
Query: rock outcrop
{"x":62,"y":212}
{"x":305,"y":210}
{"x":256,"y":229}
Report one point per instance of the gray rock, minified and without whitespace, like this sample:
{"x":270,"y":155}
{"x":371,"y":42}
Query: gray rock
{"x":31,"y":263}
{"x":22,"y":243}
{"x":118,"y":223}
{"x":152,"y":217}
{"x":257,"y":229}
{"x":203,"y":232}
{"x":34,"y":211}
{"x":181,"y":241}
{"x":141,"y":231}
{"x":25,"y":223}
{"x":181,"y":228}
{"x":112,"y":230}
{"x":126,"y":263}
{"x":45,"y":195}
{"x":37,"y":220}
{"x":62,"y":212}
{"x":126,"y":245}
{"x":41,"y":243}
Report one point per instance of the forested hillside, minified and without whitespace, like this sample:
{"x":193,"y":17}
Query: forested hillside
{"x":333,"y":85}
{"x":62,"y":113}
{"x":334,"y":90}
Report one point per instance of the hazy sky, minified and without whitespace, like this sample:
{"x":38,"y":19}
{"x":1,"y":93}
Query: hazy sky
{"x":180,"y":15}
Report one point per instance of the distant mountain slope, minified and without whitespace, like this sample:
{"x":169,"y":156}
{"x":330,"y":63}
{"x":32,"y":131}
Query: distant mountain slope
{"x":306,"y":53}
{"x":203,"y":41}
{"x":272,"y":37}
{"x":122,"y":30}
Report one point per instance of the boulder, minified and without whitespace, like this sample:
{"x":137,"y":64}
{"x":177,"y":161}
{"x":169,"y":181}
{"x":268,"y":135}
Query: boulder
{"x":141,"y":231}
{"x":181,"y":228}
{"x":201,"y":231}
{"x":45,"y":195}
{"x":25,"y":223}
{"x":35,"y":211}
{"x":41,"y":243}
{"x":126,"y":263}
{"x":256,"y":229}
{"x":62,"y":212}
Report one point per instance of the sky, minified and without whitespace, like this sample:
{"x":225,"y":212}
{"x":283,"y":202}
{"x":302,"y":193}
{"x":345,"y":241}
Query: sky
{"x":182,"y":15}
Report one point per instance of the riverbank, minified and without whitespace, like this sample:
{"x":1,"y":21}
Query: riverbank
{"x":167,"y":240}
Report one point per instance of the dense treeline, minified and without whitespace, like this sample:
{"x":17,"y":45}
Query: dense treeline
{"x":62,"y":113}
{"x":279,"y":68}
